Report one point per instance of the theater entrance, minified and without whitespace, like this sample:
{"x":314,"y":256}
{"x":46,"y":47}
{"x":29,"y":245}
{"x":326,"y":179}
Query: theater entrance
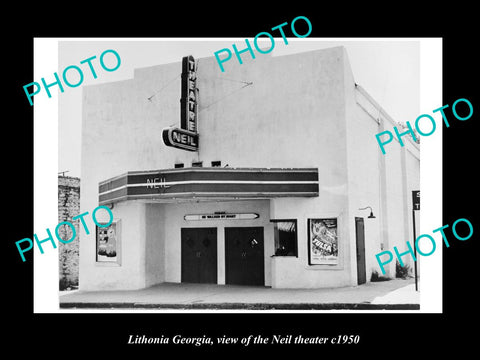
{"x":199,"y":255}
{"x":244,"y":256}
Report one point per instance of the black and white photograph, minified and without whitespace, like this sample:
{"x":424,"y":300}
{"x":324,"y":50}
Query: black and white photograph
{"x":253,"y":182}
{"x":293,"y":182}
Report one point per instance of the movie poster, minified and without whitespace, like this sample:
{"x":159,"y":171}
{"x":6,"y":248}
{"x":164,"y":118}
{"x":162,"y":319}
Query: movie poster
{"x":322,"y":241}
{"x":107,"y":243}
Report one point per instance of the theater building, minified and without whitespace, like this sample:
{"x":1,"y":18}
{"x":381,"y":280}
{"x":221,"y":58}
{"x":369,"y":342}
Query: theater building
{"x":263,"y":175}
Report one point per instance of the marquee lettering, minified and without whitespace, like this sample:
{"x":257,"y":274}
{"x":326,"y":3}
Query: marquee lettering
{"x":156,"y":183}
{"x":186,"y":136}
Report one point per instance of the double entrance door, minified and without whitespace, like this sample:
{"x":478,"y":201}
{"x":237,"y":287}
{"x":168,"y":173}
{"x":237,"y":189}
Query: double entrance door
{"x":199,"y":255}
{"x":244,"y":255}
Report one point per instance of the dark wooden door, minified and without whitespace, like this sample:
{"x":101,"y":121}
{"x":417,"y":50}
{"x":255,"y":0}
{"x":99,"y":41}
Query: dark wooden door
{"x":199,"y":255}
{"x":360,"y":235}
{"x":244,"y":256}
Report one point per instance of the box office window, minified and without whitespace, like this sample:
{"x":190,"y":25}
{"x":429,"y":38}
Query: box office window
{"x":285,"y":237}
{"x":108,"y":243}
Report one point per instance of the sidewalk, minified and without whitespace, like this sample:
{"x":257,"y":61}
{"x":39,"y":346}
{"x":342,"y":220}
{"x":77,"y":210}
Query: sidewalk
{"x":395,"y":294}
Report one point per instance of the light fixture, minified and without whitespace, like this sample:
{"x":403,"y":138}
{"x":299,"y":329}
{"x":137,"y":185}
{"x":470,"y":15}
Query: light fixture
{"x":371,"y":216}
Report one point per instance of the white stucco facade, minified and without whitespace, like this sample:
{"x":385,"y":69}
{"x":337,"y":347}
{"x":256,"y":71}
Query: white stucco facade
{"x":301,"y":111}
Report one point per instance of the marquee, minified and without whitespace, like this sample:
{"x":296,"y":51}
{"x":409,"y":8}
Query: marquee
{"x":209,"y":184}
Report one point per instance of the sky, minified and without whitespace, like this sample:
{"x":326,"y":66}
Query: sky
{"x":388,"y":69}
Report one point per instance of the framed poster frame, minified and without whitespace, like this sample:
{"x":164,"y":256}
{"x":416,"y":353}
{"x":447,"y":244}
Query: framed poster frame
{"x":110,"y":254}
{"x":323,"y":238}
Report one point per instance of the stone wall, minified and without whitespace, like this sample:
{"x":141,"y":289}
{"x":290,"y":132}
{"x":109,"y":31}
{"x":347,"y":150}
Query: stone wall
{"x":68,"y":207}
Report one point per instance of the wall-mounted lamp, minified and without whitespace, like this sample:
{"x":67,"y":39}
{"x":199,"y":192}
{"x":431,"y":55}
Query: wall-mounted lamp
{"x":371,"y":216}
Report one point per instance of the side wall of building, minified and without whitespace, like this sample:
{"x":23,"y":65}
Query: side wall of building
{"x":398,"y":174}
{"x":363,"y":177}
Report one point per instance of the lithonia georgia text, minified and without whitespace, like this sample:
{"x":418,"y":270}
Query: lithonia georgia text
{"x":247,"y":340}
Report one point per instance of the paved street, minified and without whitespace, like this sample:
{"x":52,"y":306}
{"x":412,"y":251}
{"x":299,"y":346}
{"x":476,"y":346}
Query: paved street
{"x":393,"y":294}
